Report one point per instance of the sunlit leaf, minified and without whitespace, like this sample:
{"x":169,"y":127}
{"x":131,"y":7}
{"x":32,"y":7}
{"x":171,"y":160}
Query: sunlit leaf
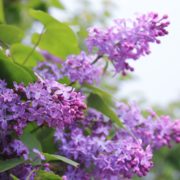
{"x":1,"y":12}
{"x":13,"y":72}
{"x":43,"y":17}
{"x":55,"y":3}
{"x":10,"y":34}
{"x":20,"y":52}
{"x":58,"y":38}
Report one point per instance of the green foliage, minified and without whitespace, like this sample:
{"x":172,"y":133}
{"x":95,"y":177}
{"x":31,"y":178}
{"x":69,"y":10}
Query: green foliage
{"x":10,"y":34}
{"x":31,"y":142}
{"x":3,"y":56}
{"x":10,"y":163}
{"x":14,"y":177}
{"x":16,"y":11}
{"x":12,"y":72}
{"x":43,"y":17}
{"x":44,"y":175}
{"x":103,"y":94}
{"x":45,"y":136}
{"x":58,"y":38}
{"x":97,"y":102}
{"x":55,"y":3}
{"x":1,"y":12}
{"x":21,"y":52}
{"x":53,"y":157}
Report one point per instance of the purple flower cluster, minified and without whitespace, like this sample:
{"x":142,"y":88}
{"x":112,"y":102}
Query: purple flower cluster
{"x":81,"y":68}
{"x":106,"y":152}
{"x":51,"y":103}
{"x":154,"y":130}
{"x":128,"y":39}
{"x":175,"y":131}
{"x":104,"y":158}
{"x":21,"y":172}
{"x":48,"y":70}
{"x":121,"y":158}
{"x":16,"y":148}
{"x":44,"y":102}
{"x":12,"y":111}
{"x":13,"y":119}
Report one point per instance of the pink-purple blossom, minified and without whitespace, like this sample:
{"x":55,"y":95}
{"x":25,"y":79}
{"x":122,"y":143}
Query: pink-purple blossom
{"x":154,"y":130}
{"x":81,"y":68}
{"x":102,"y":157}
{"x":127,"y":39}
{"x":48,"y":70}
{"x":53,"y":104}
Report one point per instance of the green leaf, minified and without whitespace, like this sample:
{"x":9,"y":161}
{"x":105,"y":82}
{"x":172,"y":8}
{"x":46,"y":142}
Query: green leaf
{"x":58,"y":38}
{"x":10,"y":163}
{"x":31,"y":142}
{"x":103,"y":94}
{"x":1,"y":12}
{"x":14,"y":177}
{"x":3,"y":56}
{"x":10,"y":34}
{"x":53,"y":157}
{"x":64,"y":80}
{"x":43,"y":17}
{"x":13,"y":72}
{"x":58,"y":41}
{"x":46,"y":137}
{"x":44,"y":175}
{"x":55,"y":3}
{"x":20,"y":52}
{"x":97,"y":102}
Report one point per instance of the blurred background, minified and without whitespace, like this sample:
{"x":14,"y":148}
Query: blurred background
{"x":156,"y":80}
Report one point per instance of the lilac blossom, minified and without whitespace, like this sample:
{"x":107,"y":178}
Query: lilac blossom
{"x":152,"y":130}
{"x":76,"y":174}
{"x":53,"y":104}
{"x":102,"y":157}
{"x":106,"y":152}
{"x":81,"y":68}
{"x":127,"y":39}
{"x":18,"y":148}
{"x":48,"y":70}
{"x":12,"y":111}
{"x":21,"y":172}
{"x":175,"y":133}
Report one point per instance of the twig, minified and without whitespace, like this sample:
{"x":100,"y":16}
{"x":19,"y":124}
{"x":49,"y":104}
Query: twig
{"x":97,"y":58}
{"x":37,"y":43}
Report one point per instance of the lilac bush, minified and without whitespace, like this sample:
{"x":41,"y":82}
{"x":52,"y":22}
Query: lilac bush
{"x":108,"y":139}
